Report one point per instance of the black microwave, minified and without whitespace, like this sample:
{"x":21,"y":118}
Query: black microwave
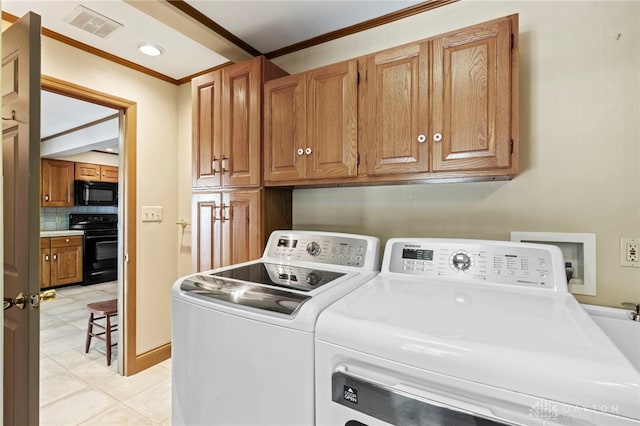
{"x":89,"y":193}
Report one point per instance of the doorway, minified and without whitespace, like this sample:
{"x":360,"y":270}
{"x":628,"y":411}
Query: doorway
{"x":128,"y":362}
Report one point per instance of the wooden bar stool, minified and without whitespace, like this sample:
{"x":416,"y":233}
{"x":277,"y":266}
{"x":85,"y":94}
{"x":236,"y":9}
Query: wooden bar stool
{"x":104,"y":310}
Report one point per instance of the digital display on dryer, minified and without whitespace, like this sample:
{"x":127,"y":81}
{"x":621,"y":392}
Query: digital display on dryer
{"x":288,"y":243}
{"x":417,"y":254}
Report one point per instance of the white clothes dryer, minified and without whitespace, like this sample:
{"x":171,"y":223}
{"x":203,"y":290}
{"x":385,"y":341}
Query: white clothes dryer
{"x":469,"y":332}
{"x":243,"y":335}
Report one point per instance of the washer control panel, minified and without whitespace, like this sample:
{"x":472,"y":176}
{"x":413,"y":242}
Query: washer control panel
{"x":518,"y":264}
{"x":321,"y":248}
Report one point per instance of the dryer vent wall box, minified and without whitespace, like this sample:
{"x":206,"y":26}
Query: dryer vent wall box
{"x":579,"y":251}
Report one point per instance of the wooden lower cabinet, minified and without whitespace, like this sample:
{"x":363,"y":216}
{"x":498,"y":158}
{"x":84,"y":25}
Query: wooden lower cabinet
{"x":231,"y":227}
{"x":60,"y":260}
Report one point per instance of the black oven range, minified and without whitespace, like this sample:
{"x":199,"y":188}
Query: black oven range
{"x":100,"y":248}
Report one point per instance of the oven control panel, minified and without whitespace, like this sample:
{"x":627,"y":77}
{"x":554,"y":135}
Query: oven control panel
{"x":517,"y":264}
{"x":326,"y":248}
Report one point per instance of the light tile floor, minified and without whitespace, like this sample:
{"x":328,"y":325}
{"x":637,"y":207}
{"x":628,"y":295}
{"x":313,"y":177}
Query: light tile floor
{"x":78,"y":388}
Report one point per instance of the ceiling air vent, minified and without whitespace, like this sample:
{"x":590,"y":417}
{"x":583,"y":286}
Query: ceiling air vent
{"x":92,"y":22}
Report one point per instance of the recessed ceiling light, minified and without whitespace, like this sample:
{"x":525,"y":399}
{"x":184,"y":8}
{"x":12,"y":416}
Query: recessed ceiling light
{"x":150,"y":49}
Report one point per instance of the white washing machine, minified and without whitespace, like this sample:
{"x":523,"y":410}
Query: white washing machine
{"x":243,"y":335}
{"x":469,"y":332}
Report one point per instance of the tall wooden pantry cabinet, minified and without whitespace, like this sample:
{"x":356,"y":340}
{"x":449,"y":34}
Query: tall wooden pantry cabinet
{"x":232,"y":213}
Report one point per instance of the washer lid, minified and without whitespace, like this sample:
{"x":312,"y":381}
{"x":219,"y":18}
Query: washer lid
{"x":538,"y":343}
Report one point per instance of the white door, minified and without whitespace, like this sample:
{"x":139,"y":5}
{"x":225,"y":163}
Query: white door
{"x":21,"y":223}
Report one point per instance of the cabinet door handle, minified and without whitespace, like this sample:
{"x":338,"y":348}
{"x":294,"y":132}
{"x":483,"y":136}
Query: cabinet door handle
{"x":46,"y":197}
{"x":437,"y":137}
{"x":300,"y":151}
{"x":46,"y":257}
{"x":422,"y":138}
{"x":222,"y":207}
{"x":55,"y":257}
{"x":66,"y":240}
{"x":226,"y":216}
{"x":214,"y":166}
{"x":308,"y":151}
{"x":224,"y":164}
{"x":213,"y":213}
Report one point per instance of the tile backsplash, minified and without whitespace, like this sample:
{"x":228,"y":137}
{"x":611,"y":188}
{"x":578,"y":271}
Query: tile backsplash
{"x":57,"y":218}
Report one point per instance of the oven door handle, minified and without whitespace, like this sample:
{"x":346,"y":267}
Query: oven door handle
{"x":95,"y":237}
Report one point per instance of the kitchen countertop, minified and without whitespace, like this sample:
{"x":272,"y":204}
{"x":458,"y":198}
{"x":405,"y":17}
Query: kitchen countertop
{"x":62,"y":233}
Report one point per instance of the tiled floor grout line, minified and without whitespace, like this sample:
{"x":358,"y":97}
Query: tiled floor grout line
{"x":78,"y":388}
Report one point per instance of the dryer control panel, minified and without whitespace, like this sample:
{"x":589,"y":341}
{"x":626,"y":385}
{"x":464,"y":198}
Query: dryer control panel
{"x":499,"y":262}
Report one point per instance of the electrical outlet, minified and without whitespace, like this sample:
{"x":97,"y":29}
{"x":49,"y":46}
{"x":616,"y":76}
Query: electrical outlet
{"x":630,"y":252}
{"x":152,"y":214}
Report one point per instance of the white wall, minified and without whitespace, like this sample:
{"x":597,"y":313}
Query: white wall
{"x":94,"y":157}
{"x":184,"y":180}
{"x":157,"y":175}
{"x":579,"y":138}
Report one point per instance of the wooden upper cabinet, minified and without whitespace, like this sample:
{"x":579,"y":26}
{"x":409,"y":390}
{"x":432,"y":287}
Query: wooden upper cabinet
{"x":310,"y":125}
{"x":108,"y":174}
{"x":227,"y":124}
{"x":87,"y":171}
{"x":96,"y":172}
{"x":241,"y":124}
{"x":332,"y":114}
{"x":56,"y":188}
{"x":474,"y":111}
{"x":284,"y":129}
{"x":207,"y":129}
{"x":394,"y":111}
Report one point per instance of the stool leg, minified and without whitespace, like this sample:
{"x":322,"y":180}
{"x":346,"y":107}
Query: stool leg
{"x":89,"y":331}
{"x":108,"y":339}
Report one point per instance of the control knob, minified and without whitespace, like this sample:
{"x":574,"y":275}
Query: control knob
{"x":313,"y":278}
{"x":313,"y":248}
{"x":460,"y":261}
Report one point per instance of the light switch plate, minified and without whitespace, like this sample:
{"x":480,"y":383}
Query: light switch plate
{"x":151,"y":213}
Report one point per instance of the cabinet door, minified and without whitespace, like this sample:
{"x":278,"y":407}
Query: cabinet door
{"x":207,"y":130}
{"x":332,"y":121}
{"x":206,"y":239}
{"x":109,"y":174}
{"x":241,"y":123}
{"x":66,"y":260}
{"x":472,"y":92}
{"x":395,"y":110}
{"x":45,"y":263}
{"x":57,"y":183}
{"x":87,"y":171}
{"x":284,"y":129}
{"x":241,"y":227}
